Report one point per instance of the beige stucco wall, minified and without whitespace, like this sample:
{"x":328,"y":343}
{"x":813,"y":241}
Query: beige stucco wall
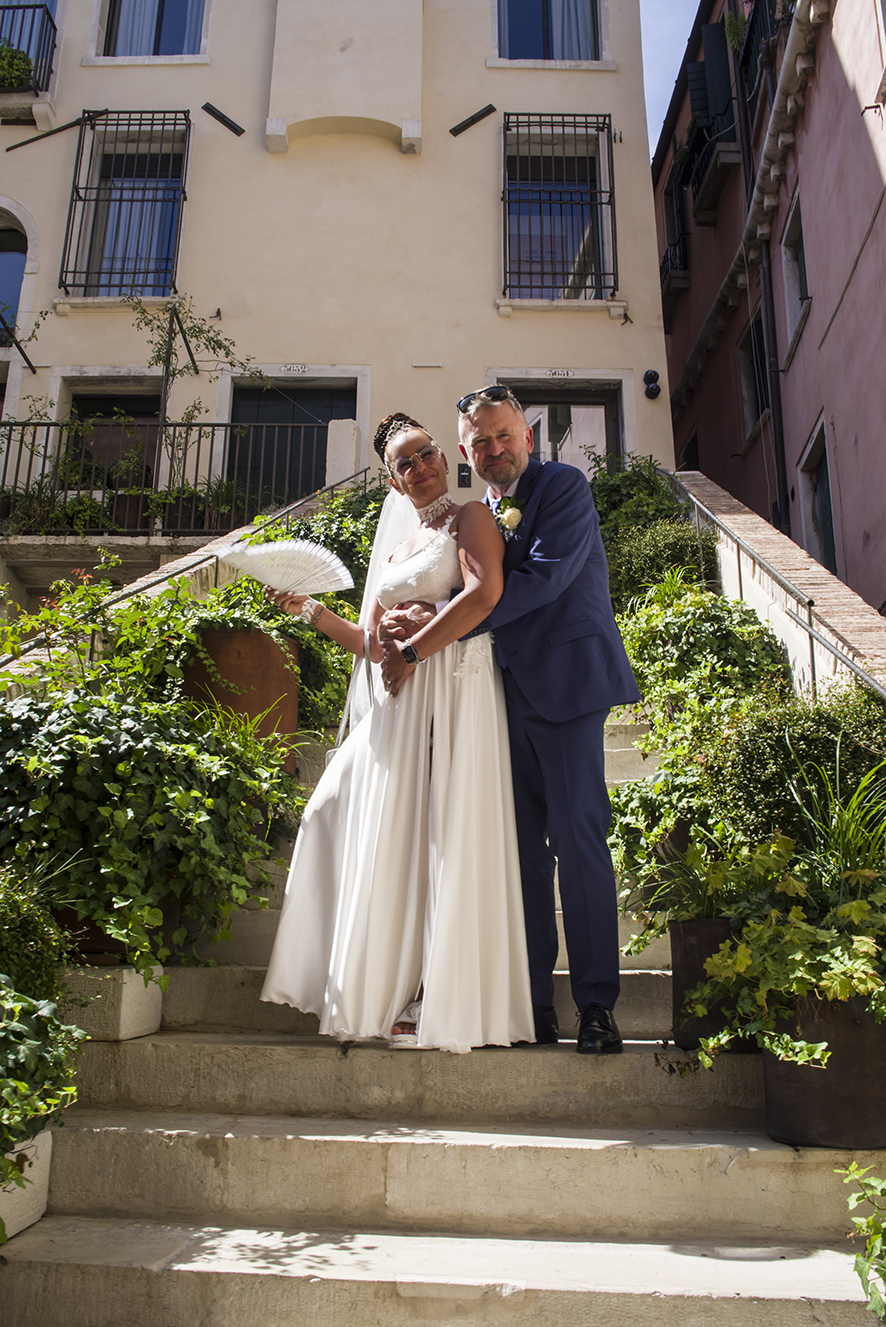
{"x":350,"y":254}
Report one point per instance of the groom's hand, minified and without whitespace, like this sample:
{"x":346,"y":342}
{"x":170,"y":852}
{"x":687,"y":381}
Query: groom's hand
{"x":402,"y":622}
{"x":394,"y":668}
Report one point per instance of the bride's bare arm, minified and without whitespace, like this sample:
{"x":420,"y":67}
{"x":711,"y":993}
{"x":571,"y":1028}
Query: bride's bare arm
{"x":480,"y":551}
{"x":348,"y":634}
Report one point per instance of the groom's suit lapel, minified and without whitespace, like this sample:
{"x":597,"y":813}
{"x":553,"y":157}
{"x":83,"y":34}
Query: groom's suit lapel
{"x":515,"y":547}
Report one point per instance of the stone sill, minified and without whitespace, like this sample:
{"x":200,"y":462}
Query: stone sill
{"x":66,"y":303}
{"x":616,"y":308}
{"x":151,"y":60}
{"x":40,"y":104}
{"x":603,"y":66}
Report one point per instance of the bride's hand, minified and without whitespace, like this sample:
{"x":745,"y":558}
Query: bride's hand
{"x":290,"y":603}
{"x":405,"y":620}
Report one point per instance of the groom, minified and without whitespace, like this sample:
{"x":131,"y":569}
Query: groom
{"x":564,"y":666}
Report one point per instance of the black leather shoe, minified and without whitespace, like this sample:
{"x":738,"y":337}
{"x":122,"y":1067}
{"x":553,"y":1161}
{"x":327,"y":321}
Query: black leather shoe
{"x":598,"y":1033}
{"x":547,"y":1029}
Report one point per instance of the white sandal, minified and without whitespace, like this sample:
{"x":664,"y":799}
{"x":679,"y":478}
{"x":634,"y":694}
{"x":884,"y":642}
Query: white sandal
{"x":411,"y":1015}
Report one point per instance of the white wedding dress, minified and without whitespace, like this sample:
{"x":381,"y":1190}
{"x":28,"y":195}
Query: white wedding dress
{"x":405,"y":875}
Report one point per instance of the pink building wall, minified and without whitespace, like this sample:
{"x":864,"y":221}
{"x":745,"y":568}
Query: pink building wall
{"x":835,"y":378}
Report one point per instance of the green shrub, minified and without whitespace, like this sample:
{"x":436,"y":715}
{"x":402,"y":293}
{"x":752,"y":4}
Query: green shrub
{"x":693,"y":652}
{"x":748,"y":765}
{"x":31,"y":945}
{"x":631,"y":497}
{"x":142,"y":801}
{"x":639,"y":558}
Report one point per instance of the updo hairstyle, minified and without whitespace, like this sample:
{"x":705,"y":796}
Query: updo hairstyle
{"x":390,"y":426}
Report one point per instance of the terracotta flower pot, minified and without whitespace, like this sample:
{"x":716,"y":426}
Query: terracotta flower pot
{"x":842,"y":1105}
{"x":254,"y":678}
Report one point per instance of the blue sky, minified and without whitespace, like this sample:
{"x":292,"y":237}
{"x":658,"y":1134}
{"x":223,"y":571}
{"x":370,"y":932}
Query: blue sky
{"x":666,"y":27}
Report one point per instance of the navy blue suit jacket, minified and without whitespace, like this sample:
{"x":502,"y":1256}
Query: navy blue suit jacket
{"x":554,"y":627}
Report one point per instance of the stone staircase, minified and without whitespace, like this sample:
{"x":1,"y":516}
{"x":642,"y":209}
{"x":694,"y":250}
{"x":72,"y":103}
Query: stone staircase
{"x":235,"y":1168}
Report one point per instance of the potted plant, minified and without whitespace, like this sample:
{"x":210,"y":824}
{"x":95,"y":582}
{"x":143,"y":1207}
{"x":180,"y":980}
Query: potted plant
{"x":36,"y":1083}
{"x":806,"y":976}
{"x":16,"y":68}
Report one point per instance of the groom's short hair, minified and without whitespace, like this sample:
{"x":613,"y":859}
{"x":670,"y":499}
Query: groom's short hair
{"x":500,"y":395}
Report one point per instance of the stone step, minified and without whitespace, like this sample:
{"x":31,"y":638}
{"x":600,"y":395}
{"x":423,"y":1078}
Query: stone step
{"x":253,"y":931}
{"x":626,"y":1183}
{"x":226,"y":999}
{"x":254,"y":1073}
{"x":77,"y":1272}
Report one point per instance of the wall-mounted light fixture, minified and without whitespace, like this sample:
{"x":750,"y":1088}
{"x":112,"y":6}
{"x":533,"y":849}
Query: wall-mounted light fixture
{"x":653,"y":389}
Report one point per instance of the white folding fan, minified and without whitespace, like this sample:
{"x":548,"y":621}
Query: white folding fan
{"x":293,"y":566}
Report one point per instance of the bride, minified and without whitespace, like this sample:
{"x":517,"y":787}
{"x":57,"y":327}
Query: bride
{"x":403,"y":914}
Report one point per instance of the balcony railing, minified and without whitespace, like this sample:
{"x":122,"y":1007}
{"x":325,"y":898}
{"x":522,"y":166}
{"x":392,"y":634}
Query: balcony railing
{"x":126,"y":477}
{"x":766,"y":18}
{"x":675,"y":259}
{"x":27,"y":47}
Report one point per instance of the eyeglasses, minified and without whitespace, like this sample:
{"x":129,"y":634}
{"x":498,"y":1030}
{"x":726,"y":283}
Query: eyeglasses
{"x":404,"y":464}
{"x":494,"y":395}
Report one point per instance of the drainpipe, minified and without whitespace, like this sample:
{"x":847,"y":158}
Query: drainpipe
{"x":781,"y":476}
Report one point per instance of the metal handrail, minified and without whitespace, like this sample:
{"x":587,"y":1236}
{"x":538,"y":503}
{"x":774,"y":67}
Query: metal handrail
{"x":130,"y":591}
{"x":786,"y":585}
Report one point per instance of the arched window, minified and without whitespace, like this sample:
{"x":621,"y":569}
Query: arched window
{"x":13,"y":255}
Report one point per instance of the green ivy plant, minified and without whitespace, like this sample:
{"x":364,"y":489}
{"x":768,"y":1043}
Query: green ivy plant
{"x":36,"y":1077}
{"x":31,"y":943}
{"x":159,"y":810}
{"x":814,"y":920}
{"x":870,"y":1265}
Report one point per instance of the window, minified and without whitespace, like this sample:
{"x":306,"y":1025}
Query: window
{"x":559,"y":207}
{"x":796,"y":285}
{"x":815,"y":497}
{"x":13,"y":255}
{"x":754,"y":378}
{"x":154,"y":27}
{"x":125,"y":214}
{"x":278,"y":453}
{"x":548,"y":30}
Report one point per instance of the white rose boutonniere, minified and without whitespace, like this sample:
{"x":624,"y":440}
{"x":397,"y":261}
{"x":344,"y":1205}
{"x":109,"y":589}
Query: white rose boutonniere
{"x":509,"y":515}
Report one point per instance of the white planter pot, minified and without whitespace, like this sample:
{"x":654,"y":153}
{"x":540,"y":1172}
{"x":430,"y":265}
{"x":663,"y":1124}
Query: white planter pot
{"x":20,"y":1208}
{"x":119,"y":1006}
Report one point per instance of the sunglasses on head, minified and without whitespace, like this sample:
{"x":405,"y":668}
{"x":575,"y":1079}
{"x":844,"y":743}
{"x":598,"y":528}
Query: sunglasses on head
{"x":494,"y":395}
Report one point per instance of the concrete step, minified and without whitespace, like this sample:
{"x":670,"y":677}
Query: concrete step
{"x":226,"y":999}
{"x":253,"y":932}
{"x":75,"y":1272}
{"x":628,"y":1183}
{"x":254,"y":1073}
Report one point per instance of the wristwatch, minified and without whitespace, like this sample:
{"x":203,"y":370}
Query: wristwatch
{"x":410,"y":653}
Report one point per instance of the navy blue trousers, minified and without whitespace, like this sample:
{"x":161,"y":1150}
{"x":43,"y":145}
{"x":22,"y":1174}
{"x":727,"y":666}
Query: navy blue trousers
{"x":563,"y":811}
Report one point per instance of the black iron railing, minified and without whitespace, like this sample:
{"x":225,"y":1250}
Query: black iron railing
{"x":559,"y":208}
{"x":722,"y":130}
{"x":766,"y":18}
{"x":120,"y":476}
{"x":27,"y":45}
{"x":676,"y":259}
{"x":124,"y":219}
